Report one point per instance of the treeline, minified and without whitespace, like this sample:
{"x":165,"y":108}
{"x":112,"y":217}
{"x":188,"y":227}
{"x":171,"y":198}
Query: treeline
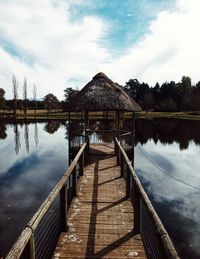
{"x":170,"y":96}
{"x":24,"y":103}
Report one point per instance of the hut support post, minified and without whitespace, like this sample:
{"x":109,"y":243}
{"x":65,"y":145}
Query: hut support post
{"x":69,"y":137}
{"x":117,"y":117}
{"x":133,"y":136}
{"x":86,"y":130}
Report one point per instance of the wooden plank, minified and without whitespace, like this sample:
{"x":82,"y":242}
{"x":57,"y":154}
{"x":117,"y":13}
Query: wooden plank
{"x":100,"y":218}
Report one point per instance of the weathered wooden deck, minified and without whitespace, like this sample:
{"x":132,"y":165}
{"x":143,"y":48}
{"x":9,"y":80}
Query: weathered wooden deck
{"x":100,"y":218}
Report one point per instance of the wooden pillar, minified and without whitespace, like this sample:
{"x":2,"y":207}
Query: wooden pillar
{"x":136,"y":206}
{"x":63,"y":208}
{"x":128,"y":179}
{"x":31,"y":246}
{"x":117,"y":119}
{"x":69,"y":137}
{"x":86,"y":130}
{"x":86,"y":120}
{"x":81,"y":164}
{"x":133,"y":142}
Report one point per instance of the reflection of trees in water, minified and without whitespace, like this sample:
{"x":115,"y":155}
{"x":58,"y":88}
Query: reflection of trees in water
{"x":26,"y":137}
{"x":36,"y":134}
{"x":52,"y":126}
{"x":16,"y":138}
{"x":3,"y":134}
{"x":167,"y":131}
{"x":105,"y":124}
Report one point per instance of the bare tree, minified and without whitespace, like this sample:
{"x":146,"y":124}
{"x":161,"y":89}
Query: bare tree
{"x":15,"y":93}
{"x":35,"y":97}
{"x":25,"y":96}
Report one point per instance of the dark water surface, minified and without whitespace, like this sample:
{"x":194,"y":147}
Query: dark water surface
{"x":167,"y":161}
{"x":33,"y":157}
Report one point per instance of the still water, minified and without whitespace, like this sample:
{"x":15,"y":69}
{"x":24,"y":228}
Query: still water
{"x":34,"y":156}
{"x":167,"y":161}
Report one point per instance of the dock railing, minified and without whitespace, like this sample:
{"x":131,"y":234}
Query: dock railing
{"x":40,"y":236}
{"x":146,"y":221}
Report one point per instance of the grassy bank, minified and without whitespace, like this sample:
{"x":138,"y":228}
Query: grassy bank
{"x":175,"y":115}
{"x":59,"y":115}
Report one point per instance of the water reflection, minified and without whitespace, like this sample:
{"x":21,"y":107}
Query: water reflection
{"x":37,"y":163}
{"x":3,"y":134}
{"x":17,"y":138}
{"x":36,"y":134}
{"x":168,"y":131}
{"x":167,"y":162}
{"x":27,"y":178}
{"x":52,"y":126}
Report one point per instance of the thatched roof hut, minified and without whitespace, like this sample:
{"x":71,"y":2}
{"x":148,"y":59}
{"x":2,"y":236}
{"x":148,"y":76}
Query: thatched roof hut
{"x":102,"y":94}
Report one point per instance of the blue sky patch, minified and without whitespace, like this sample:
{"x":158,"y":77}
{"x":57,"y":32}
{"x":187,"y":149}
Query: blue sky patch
{"x":128,"y":19}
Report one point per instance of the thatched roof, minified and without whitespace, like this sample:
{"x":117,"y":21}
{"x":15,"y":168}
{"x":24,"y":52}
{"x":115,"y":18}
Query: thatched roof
{"x":102,"y":94}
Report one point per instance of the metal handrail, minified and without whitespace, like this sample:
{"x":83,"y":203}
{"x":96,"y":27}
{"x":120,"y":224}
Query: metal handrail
{"x":27,"y":235}
{"x":139,"y":193}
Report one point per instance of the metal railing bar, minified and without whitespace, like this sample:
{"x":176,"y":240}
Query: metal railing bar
{"x":46,"y":227}
{"x":39,"y":248}
{"x":48,"y":219}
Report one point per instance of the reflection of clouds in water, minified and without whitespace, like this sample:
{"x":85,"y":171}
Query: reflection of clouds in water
{"x":181,"y":200}
{"x":26,"y":179}
{"x":46,"y":142}
{"x":184,"y":164}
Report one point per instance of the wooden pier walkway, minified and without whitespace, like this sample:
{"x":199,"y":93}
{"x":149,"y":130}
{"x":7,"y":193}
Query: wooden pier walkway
{"x":100,"y":218}
{"x":89,"y":213}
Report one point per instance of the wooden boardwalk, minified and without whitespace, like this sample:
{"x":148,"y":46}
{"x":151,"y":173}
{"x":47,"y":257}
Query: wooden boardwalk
{"x":100,"y":218}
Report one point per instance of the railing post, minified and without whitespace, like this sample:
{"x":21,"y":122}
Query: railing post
{"x":63,"y":208}
{"x":128,"y":178}
{"x":122,"y":166}
{"x":31,"y":245}
{"x":81,"y":165}
{"x":118,"y":155}
{"x":136,"y":206}
{"x":74,"y":183}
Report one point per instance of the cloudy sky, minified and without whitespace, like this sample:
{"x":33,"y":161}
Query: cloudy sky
{"x":64,"y":43}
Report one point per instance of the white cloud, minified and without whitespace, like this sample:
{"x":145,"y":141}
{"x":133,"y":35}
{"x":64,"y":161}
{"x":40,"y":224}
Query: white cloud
{"x":167,"y":52}
{"x":55,"y":52}
{"x":50,"y":48}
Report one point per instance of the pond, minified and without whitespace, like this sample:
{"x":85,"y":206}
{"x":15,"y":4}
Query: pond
{"x":34,"y":156}
{"x":167,"y":161}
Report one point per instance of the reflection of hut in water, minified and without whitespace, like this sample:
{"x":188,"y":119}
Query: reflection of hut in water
{"x":102,"y":95}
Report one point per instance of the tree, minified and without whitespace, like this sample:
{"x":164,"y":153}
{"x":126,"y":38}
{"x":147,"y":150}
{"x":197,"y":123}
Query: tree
{"x":51,"y":102}
{"x":2,"y":98}
{"x":35,"y":98}
{"x":25,"y":96}
{"x":148,"y":101}
{"x":15,"y":93}
{"x":70,"y":93}
{"x":132,"y":88}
